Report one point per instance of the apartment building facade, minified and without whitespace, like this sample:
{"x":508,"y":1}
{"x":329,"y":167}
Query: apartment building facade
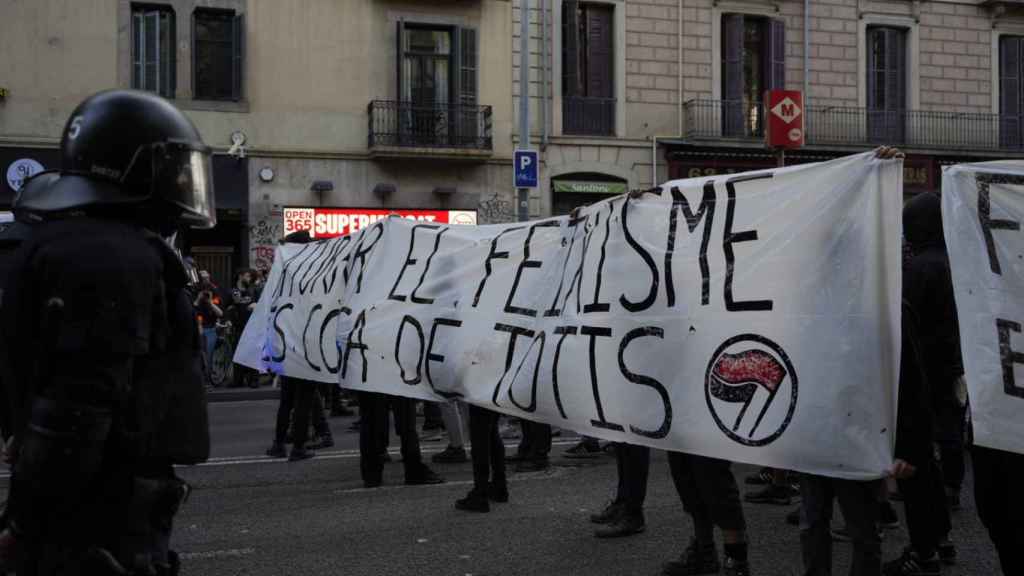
{"x":375,"y":104}
{"x":630,"y":92}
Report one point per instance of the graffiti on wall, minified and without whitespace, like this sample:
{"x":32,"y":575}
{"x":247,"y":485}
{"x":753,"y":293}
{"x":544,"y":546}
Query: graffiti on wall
{"x":263,"y":237}
{"x":496,"y":210}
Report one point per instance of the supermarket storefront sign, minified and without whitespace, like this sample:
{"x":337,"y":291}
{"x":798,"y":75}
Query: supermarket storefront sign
{"x":331,"y":222}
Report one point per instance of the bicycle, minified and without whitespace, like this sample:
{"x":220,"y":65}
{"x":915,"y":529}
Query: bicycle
{"x":222,"y":366}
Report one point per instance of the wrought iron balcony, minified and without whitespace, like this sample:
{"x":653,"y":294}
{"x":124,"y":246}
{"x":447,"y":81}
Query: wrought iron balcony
{"x":443,"y":128}
{"x":850,"y":127}
{"x":585,"y":116}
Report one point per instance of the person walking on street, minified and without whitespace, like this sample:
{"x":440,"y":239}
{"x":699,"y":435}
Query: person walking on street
{"x":624,"y":516}
{"x":488,"y":455}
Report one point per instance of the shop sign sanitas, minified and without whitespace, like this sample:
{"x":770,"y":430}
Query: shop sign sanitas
{"x":331,"y":222}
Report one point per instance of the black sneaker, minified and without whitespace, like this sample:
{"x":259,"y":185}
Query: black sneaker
{"x":771,"y":494}
{"x":424,"y":477}
{"x":624,"y":525}
{"x":763,"y":477}
{"x":947,"y":552}
{"x":609,"y":514}
{"x":497,"y":493}
{"x":843,"y":534}
{"x":953,"y":497}
{"x":354,"y":427}
{"x":340,"y":410}
{"x":584,"y":449}
{"x":698,"y":558}
{"x":430,"y":426}
{"x":322,"y":442}
{"x":735,"y":567}
{"x":473,"y":502}
{"x":450,"y":455}
{"x":300,"y":454}
{"x":277,"y":451}
{"x":910,"y":564}
{"x":887,"y":517}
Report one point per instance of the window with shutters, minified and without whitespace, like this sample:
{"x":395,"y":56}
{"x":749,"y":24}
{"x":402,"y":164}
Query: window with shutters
{"x":588,"y":89}
{"x":886,"y":84}
{"x":753,"y":61}
{"x":1011,"y":97}
{"x":152,"y":50}
{"x":437,"y":86}
{"x":217,"y":62}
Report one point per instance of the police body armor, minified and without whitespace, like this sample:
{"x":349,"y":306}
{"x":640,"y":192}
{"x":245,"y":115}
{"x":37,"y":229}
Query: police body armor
{"x":102,"y":341}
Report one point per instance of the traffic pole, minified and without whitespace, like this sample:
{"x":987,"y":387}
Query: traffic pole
{"x":523,"y":194}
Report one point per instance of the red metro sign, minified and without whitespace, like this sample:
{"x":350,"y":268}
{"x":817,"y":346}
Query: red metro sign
{"x":785,"y":118}
{"x":331,"y":222}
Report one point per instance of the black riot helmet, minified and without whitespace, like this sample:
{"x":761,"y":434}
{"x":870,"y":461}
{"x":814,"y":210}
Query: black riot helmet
{"x":34,"y":185}
{"x":123,"y":148}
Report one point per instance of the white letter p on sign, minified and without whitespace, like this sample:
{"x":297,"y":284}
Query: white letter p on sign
{"x":524,"y":161}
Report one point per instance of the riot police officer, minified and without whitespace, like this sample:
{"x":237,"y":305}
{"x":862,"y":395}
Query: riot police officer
{"x":102,"y":340}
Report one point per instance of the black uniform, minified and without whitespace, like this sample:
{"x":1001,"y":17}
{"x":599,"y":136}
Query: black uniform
{"x":103,"y":347}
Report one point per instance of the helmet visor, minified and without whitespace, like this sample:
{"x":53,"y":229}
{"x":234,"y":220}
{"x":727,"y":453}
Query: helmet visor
{"x":184,"y":177}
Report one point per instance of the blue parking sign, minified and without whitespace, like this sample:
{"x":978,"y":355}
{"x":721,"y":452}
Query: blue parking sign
{"x":526,"y":168}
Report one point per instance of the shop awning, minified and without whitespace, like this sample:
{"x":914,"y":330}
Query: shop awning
{"x":588,"y":187}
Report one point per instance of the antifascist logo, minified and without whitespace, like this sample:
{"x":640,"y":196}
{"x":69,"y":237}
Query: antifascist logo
{"x":751,"y":389}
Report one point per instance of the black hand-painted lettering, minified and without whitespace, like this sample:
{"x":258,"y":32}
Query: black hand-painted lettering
{"x":356,"y":343}
{"x":280,"y":333}
{"x":666,"y":423}
{"x":320,"y":252}
{"x":526,"y":263}
{"x":575,"y":285}
{"x":728,"y":239}
{"x":538,"y":340}
{"x":362,"y":250}
{"x":597,"y":306}
{"x":594,"y":332}
{"x":409,"y":260}
{"x":514,"y":333}
{"x":563,"y":331}
{"x":336,"y":260}
{"x":1008,"y":356}
{"x":305,"y":333}
{"x":985,"y":217}
{"x":554,"y":310}
{"x":652,"y":294}
{"x":419,"y":352}
{"x":286,"y":266}
{"x":492,"y":255}
{"x":315,"y":247}
{"x":426,"y":268}
{"x":323,"y":328}
{"x":433,"y":357}
{"x":706,"y":213}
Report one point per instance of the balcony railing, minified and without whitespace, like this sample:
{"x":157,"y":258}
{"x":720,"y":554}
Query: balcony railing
{"x":410,"y":125}
{"x":846,"y":126}
{"x":584,"y":116}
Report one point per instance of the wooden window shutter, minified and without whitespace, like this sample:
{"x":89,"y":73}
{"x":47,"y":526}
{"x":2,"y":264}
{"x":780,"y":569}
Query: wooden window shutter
{"x":776,"y":69}
{"x":400,"y":60}
{"x":599,"y":52}
{"x":733,"y":26}
{"x":237,"y":56}
{"x":1010,"y":91}
{"x":467,"y":66}
{"x":571,"y":76}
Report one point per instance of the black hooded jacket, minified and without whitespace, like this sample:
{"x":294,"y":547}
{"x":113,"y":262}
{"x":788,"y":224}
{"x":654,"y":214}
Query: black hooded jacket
{"x":928,"y":288}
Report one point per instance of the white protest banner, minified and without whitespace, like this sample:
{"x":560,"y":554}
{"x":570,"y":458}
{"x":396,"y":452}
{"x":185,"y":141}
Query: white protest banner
{"x":750,"y":317}
{"x":982,"y":211}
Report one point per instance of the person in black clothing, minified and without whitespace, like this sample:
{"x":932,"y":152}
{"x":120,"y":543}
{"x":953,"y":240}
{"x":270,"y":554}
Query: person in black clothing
{"x":928,"y":291}
{"x":488,"y":456}
{"x":532,"y":453}
{"x":102,"y":345}
{"x":624,"y":516}
{"x":373,"y":439}
{"x":243,"y":301}
{"x":998,"y":478}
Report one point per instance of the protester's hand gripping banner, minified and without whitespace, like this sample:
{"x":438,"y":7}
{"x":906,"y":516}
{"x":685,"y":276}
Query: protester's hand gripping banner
{"x":752,"y":317}
{"x":982,"y":211}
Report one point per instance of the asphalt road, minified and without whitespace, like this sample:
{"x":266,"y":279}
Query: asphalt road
{"x":255,"y":516}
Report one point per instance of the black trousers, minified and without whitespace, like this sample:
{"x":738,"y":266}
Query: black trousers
{"x":320,"y":426}
{"x":998,"y":478}
{"x":373,"y":434}
{"x":924,"y":501}
{"x":488,"y":453}
{"x":950,"y":431}
{"x":859,"y":503}
{"x":296,"y":402}
{"x":536,"y":442}
{"x":709,"y":493}
{"x":634,"y":464}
